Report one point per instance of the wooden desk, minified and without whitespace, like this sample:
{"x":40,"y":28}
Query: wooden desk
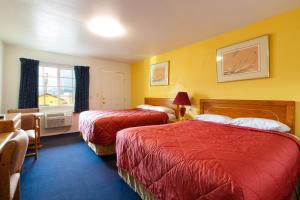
{"x":10,"y":123}
{"x":5,"y":137}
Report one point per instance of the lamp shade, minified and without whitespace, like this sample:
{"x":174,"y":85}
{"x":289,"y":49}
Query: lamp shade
{"x":182,"y":98}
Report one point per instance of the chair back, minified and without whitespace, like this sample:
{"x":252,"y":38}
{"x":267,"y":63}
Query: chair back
{"x":28,"y":122}
{"x":12,"y":156}
{"x":21,"y":144}
{"x":5,"y":161}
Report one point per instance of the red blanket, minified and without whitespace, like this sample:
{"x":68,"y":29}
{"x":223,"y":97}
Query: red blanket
{"x":202,"y":160}
{"x":101,"y":127}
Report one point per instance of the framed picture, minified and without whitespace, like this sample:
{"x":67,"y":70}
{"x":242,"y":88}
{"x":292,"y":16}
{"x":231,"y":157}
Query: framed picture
{"x":159,"y":74}
{"x":246,"y":60}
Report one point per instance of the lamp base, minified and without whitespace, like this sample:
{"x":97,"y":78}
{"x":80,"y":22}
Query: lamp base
{"x":182,"y":112}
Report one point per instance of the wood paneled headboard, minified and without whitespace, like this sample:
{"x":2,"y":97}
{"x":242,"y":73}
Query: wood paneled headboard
{"x":167,"y":102}
{"x":283,"y":111}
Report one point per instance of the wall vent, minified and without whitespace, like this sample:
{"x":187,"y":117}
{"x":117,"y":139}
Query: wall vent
{"x":59,"y":119}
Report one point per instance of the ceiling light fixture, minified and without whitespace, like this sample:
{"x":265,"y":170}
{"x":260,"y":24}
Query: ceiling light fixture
{"x":106,"y":27}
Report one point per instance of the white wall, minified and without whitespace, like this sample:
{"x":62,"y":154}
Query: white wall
{"x":1,"y":74}
{"x":11,"y":80}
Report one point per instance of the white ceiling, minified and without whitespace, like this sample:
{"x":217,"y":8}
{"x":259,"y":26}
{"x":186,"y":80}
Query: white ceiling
{"x":153,"y":26}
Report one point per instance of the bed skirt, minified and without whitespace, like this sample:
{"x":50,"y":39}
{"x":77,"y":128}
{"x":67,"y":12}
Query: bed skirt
{"x":145,"y":195}
{"x":136,"y":186}
{"x":100,"y":150}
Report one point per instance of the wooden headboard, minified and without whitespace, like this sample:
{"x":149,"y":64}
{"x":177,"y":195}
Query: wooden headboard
{"x":283,"y":111}
{"x":167,"y":102}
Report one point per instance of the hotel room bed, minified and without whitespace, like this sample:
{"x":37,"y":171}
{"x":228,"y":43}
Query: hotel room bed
{"x":205,"y":160}
{"x":99,"y":128}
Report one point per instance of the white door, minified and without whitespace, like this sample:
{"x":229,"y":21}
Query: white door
{"x":112,"y":94}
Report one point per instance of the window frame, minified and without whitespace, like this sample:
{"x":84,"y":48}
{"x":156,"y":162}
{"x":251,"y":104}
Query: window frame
{"x":59,"y":67}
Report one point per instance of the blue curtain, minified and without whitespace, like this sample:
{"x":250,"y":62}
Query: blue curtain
{"x":29,"y":91}
{"x":82,"y":76}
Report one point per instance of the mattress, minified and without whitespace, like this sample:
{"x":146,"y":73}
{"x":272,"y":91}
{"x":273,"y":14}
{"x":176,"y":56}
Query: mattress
{"x":203,"y":160}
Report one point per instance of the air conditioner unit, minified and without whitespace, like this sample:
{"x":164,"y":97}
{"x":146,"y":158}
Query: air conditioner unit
{"x":58,"y":119}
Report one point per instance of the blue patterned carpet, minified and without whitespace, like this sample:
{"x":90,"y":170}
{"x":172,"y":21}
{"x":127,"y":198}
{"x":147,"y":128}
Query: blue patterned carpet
{"x":67,"y":169}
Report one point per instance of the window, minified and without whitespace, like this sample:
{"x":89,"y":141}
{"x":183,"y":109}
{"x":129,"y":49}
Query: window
{"x":56,"y":85}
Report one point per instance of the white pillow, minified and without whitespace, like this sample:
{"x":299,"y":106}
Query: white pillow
{"x":144,"y":106}
{"x":172,"y":117}
{"x":163,"y":109}
{"x":261,"y":123}
{"x":214,"y":118}
{"x":157,"y":108}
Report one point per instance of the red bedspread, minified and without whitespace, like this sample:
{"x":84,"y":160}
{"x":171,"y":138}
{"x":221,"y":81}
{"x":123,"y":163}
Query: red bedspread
{"x":101,"y":127}
{"x":201,"y":160}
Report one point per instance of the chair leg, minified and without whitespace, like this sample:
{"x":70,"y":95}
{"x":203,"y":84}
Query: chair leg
{"x":17,"y":195}
{"x":39,"y":131}
{"x":36,"y":149}
{"x":37,"y":137}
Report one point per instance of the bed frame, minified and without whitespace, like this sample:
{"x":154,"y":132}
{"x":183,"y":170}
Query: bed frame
{"x":283,"y":111}
{"x":104,"y":150}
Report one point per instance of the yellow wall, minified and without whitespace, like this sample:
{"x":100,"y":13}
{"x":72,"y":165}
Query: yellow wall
{"x":193,"y":68}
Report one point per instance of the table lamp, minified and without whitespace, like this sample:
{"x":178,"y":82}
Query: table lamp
{"x":182,"y":99}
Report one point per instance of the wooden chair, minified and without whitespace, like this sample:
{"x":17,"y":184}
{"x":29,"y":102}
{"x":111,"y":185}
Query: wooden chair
{"x":11,"y":160}
{"x":30,"y":123}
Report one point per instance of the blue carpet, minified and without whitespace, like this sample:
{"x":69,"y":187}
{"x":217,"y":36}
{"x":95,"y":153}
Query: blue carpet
{"x":67,"y":169}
